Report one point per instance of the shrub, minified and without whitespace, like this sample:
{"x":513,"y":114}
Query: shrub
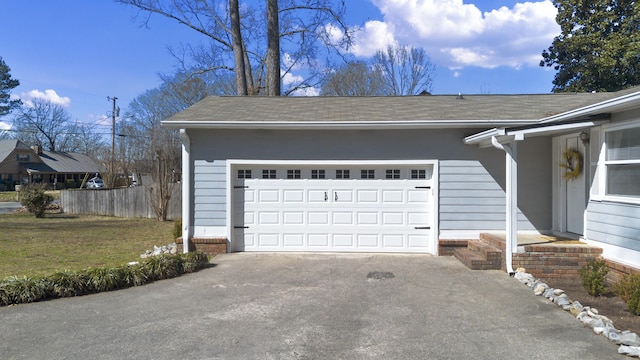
{"x":593,"y":277}
{"x":163,"y":266}
{"x":628,"y":289}
{"x":177,"y":229}
{"x":19,"y":290}
{"x":106,"y":279}
{"x":194,"y":261}
{"x":34,"y":198}
{"x":67,"y":283}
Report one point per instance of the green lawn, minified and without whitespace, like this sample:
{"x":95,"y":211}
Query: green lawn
{"x":8,"y":196}
{"x":30,"y":246}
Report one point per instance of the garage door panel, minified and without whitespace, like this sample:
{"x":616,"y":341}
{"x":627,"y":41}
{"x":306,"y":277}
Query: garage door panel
{"x":392,"y":240}
{"x":368,"y":218}
{"x":293,"y":217}
{"x":370,"y":215}
{"x":343,"y":196}
{"x":367,"y":196}
{"x":392,"y":196}
{"x":269,"y":218}
{"x":343,"y":218}
{"x":343,"y":240}
{"x":268,"y":240}
{"x":293,"y":240}
{"x":392,"y":218}
{"x":268,"y":196}
{"x":417,"y":219}
{"x":369,"y":241}
{"x":418,"y":241}
{"x":418,"y":196}
{"x":318,"y":218}
{"x":293,"y":196}
{"x":319,"y":240}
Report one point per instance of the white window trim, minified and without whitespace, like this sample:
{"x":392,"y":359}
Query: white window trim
{"x":603,"y":162}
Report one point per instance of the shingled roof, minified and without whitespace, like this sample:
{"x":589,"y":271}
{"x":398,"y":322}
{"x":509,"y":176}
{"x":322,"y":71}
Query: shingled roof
{"x":63,"y":162}
{"x":426,"y":108}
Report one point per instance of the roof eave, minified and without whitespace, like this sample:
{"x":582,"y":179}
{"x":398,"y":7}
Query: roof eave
{"x":344,"y":125}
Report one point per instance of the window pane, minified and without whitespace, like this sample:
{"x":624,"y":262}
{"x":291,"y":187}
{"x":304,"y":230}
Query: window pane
{"x":623,"y":144}
{"x":623,"y":180}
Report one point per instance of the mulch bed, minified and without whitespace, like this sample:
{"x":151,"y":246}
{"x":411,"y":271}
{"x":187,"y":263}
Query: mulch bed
{"x":608,"y":305}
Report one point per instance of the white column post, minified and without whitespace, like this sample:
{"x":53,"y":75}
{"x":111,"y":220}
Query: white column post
{"x":186,"y":190}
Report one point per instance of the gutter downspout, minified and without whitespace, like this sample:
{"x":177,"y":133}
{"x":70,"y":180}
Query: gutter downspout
{"x":186,"y":189}
{"x":511,"y":159}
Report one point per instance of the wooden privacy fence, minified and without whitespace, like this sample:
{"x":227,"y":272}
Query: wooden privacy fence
{"x":124,"y":202}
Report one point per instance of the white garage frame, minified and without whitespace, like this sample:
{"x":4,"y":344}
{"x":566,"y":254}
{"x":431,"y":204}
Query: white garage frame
{"x":233,"y":164}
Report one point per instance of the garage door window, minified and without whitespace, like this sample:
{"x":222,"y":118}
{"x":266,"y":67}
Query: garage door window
{"x":244,"y":174}
{"x":293,"y":174}
{"x":367,"y":174}
{"x":318,"y":174}
{"x":418,"y":174}
{"x":342,"y":174}
{"x":393,"y":173}
{"x":269,"y":174}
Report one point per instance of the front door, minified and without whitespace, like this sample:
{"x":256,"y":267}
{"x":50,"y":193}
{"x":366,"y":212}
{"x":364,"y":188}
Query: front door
{"x":574,"y":189}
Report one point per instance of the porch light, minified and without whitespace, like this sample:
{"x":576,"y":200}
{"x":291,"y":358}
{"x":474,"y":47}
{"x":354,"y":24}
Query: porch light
{"x":584,"y":137}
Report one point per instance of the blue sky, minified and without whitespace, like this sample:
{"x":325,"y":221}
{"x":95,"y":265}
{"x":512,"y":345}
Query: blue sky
{"x":79,"y":52}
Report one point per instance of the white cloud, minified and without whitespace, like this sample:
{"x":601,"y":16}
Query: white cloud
{"x":49,"y":95}
{"x":455,"y":34}
{"x":4,"y":126}
{"x":289,"y":79}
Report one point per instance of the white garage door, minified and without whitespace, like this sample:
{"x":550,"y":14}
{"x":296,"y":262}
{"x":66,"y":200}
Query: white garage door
{"x":328,"y":208}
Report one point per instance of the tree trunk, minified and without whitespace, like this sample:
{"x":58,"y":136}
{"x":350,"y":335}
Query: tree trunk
{"x":273,"y":49}
{"x":238,"y":49}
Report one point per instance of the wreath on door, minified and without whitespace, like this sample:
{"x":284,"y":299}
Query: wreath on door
{"x":572,"y":163}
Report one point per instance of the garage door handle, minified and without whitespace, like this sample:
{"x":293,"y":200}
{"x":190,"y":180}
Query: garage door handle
{"x":422,"y":227}
{"x":240,"y":227}
{"x":325,"y":196}
{"x":336,"y":193}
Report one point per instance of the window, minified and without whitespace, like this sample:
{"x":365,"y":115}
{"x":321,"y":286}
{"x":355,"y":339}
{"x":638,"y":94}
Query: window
{"x":244,"y":174}
{"x":393,"y":173}
{"x":418,"y":174}
{"x":293,"y":174}
{"x":269,"y":174}
{"x":367,"y":174}
{"x":342,"y":174}
{"x":622,"y":162}
{"x":22,"y":157}
{"x":317,"y":174}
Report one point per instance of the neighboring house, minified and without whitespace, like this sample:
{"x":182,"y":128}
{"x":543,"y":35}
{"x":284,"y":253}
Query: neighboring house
{"x":396,"y":174}
{"x":20,"y":164}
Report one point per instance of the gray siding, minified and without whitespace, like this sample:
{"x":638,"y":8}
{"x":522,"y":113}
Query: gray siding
{"x":209,"y":191}
{"x":614,"y":224}
{"x":471,"y":178}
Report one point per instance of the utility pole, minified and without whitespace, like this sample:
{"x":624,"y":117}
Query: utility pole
{"x":114,"y":113}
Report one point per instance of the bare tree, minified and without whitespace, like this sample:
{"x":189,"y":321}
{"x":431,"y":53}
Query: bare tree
{"x":406,"y":70}
{"x":305,"y":28}
{"x":148,"y":148}
{"x":45,"y":124}
{"x":354,"y":79}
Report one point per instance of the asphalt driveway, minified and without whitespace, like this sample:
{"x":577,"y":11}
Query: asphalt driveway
{"x":273,"y":306}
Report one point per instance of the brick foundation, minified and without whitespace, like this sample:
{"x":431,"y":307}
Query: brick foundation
{"x":210,"y":246}
{"x":617,"y":271}
{"x":555,"y":261}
